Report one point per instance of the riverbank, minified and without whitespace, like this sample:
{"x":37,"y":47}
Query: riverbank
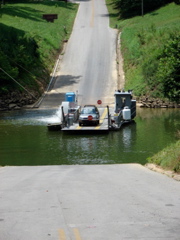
{"x":169,"y":173}
{"x":149,"y":102}
{"x":167,"y":161}
{"x":17,"y":100}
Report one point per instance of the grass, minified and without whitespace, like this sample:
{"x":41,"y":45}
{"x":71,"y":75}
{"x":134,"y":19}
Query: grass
{"x":113,"y":14}
{"x":143,"y":40}
{"x":168,"y":158}
{"x":167,"y":16}
{"x":27,"y":18}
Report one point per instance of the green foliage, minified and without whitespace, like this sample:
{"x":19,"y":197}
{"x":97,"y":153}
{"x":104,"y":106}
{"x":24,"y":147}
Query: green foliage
{"x":168,"y":158}
{"x":177,"y":1}
{"x":168,"y":72}
{"x":131,"y":8}
{"x":143,"y":53}
{"x":144,"y":43}
{"x":18,"y":52}
{"x":161,"y":63}
{"x":30,"y":44}
{"x":6,"y":65}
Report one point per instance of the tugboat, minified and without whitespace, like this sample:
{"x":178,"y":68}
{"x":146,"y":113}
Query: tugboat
{"x":125,"y":109}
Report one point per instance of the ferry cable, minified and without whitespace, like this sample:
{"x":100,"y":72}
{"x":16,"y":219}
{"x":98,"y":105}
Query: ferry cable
{"x":17,"y":83}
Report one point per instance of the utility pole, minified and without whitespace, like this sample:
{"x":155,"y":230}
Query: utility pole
{"x":142,"y":8}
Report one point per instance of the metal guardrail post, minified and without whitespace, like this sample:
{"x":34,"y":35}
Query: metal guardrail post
{"x":108,"y":116}
{"x":63,"y":117}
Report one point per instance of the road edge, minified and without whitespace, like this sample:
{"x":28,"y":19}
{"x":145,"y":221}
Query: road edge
{"x":158,"y":169}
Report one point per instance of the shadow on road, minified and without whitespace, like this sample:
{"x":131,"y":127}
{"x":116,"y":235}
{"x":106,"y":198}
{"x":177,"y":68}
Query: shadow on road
{"x":63,"y":81}
{"x":56,"y":93}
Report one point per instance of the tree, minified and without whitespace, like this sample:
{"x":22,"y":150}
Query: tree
{"x":130,"y":8}
{"x":169,"y":68}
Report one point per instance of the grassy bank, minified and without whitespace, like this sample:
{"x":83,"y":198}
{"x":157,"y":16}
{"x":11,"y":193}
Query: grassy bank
{"x":30,"y":43}
{"x":144,"y":43}
{"x":168,"y":158}
{"x":143,"y":40}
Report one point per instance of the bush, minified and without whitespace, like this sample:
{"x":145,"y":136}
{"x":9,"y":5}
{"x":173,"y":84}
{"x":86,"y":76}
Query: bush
{"x":18,"y":52}
{"x":156,"y":55}
{"x":168,"y":72}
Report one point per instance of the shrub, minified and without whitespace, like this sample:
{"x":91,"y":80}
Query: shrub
{"x":168,"y":158}
{"x":168,"y":72}
{"x":18,"y":52}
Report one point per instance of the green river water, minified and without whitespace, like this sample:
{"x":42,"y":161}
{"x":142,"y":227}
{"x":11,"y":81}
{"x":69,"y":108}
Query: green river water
{"x":25,"y":139}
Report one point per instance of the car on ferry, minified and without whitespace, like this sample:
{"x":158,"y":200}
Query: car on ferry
{"x":89,"y":115}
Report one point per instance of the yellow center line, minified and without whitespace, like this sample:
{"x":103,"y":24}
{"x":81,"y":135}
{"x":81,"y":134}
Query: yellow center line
{"x":102,"y":118}
{"x":103,"y":115}
{"x":62,"y":234}
{"x":77,"y":234}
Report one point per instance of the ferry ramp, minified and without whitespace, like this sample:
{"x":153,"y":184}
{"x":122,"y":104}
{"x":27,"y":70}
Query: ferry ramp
{"x":88,"y":61}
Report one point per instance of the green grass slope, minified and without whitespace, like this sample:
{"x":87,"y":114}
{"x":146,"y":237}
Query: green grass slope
{"x":144,"y":41}
{"x":168,"y":158}
{"x":147,"y":44}
{"x":30,"y":44}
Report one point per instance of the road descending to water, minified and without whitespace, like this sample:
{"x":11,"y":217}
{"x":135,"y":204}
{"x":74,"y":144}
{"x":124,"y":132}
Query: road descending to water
{"x":89,"y":63}
{"x":88,"y":202}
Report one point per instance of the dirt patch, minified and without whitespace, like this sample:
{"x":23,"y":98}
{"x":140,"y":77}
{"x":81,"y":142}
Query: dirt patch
{"x":168,"y":173}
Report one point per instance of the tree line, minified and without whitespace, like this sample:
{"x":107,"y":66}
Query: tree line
{"x":131,"y":8}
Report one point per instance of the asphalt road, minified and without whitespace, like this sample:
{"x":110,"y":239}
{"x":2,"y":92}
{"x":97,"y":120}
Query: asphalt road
{"x":94,"y":202}
{"x":89,"y":61}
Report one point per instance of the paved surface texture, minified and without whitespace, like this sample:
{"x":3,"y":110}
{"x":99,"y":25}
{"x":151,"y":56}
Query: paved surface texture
{"x":89,"y":62}
{"x":88,"y":202}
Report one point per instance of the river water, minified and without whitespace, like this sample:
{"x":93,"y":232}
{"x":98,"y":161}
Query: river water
{"x":25,"y":139}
